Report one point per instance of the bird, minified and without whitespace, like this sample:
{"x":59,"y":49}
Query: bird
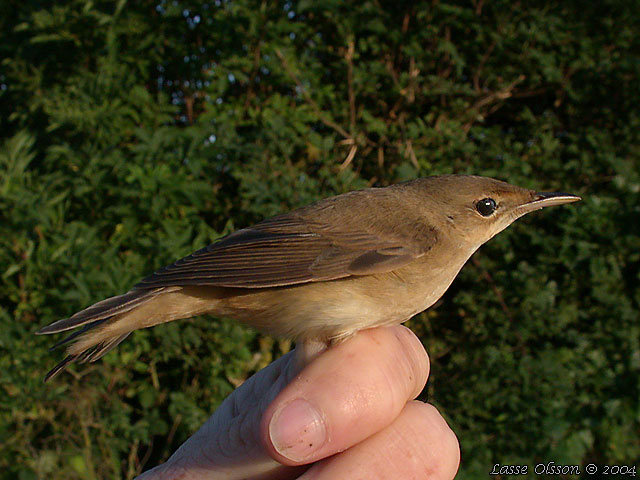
{"x":318,"y":274}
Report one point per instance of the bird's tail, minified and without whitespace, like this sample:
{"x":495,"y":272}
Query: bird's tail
{"x":89,"y":355}
{"x":91,"y":347}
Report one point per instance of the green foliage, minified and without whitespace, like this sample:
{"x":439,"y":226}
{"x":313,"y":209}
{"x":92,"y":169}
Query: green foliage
{"x":136,"y":132}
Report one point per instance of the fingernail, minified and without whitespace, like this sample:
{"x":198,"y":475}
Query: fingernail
{"x":298,"y":430}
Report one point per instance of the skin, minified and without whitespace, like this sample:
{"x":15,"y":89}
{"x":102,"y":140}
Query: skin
{"x":368,"y":423}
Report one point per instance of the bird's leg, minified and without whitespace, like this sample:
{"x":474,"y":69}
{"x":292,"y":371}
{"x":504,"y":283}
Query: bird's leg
{"x":306,"y":351}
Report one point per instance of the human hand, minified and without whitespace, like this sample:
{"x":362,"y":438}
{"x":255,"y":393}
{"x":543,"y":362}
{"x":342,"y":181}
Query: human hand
{"x":349,"y":414}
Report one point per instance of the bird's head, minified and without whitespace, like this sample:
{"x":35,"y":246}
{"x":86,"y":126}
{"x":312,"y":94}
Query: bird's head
{"x":477,"y":208}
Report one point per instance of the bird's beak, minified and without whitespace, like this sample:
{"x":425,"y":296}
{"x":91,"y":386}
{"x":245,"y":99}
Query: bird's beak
{"x":548,"y":199}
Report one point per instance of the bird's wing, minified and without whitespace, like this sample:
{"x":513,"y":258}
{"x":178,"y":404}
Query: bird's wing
{"x":287,"y":250}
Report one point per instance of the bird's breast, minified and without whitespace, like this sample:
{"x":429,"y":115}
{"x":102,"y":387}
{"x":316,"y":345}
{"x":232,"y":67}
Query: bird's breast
{"x":338,"y":308}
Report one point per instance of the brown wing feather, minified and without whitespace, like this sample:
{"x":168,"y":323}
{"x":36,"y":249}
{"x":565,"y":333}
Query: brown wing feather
{"x":285,"y":250}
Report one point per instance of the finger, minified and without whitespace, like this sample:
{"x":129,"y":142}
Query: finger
{"x":417,"y":445}
{"x":228,"y":445}
{"x":348,"y":393}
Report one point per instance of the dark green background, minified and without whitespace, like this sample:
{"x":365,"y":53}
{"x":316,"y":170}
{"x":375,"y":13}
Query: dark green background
{"x":136,"y":132}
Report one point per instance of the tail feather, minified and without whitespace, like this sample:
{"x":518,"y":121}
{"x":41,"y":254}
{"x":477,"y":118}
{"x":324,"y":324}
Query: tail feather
{"x":89,"y":355}
{"x":84,"y":356}
{"x":55,"y":371}
{"x":105,"y":347}
{"x":90,"y":318}
{"x":102,"y":310}
{"x":107,"y":323}
{"x":77,"y":333}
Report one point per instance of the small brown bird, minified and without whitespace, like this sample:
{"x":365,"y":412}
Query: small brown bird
{"x":319,"y":274}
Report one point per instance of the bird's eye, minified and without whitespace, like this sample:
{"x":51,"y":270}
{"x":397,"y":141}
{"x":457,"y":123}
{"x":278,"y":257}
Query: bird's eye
{"x":486,"y":206}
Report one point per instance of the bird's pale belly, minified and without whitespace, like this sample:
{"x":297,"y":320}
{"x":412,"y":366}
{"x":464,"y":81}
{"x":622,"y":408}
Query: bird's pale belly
{"x":337,"y":309}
